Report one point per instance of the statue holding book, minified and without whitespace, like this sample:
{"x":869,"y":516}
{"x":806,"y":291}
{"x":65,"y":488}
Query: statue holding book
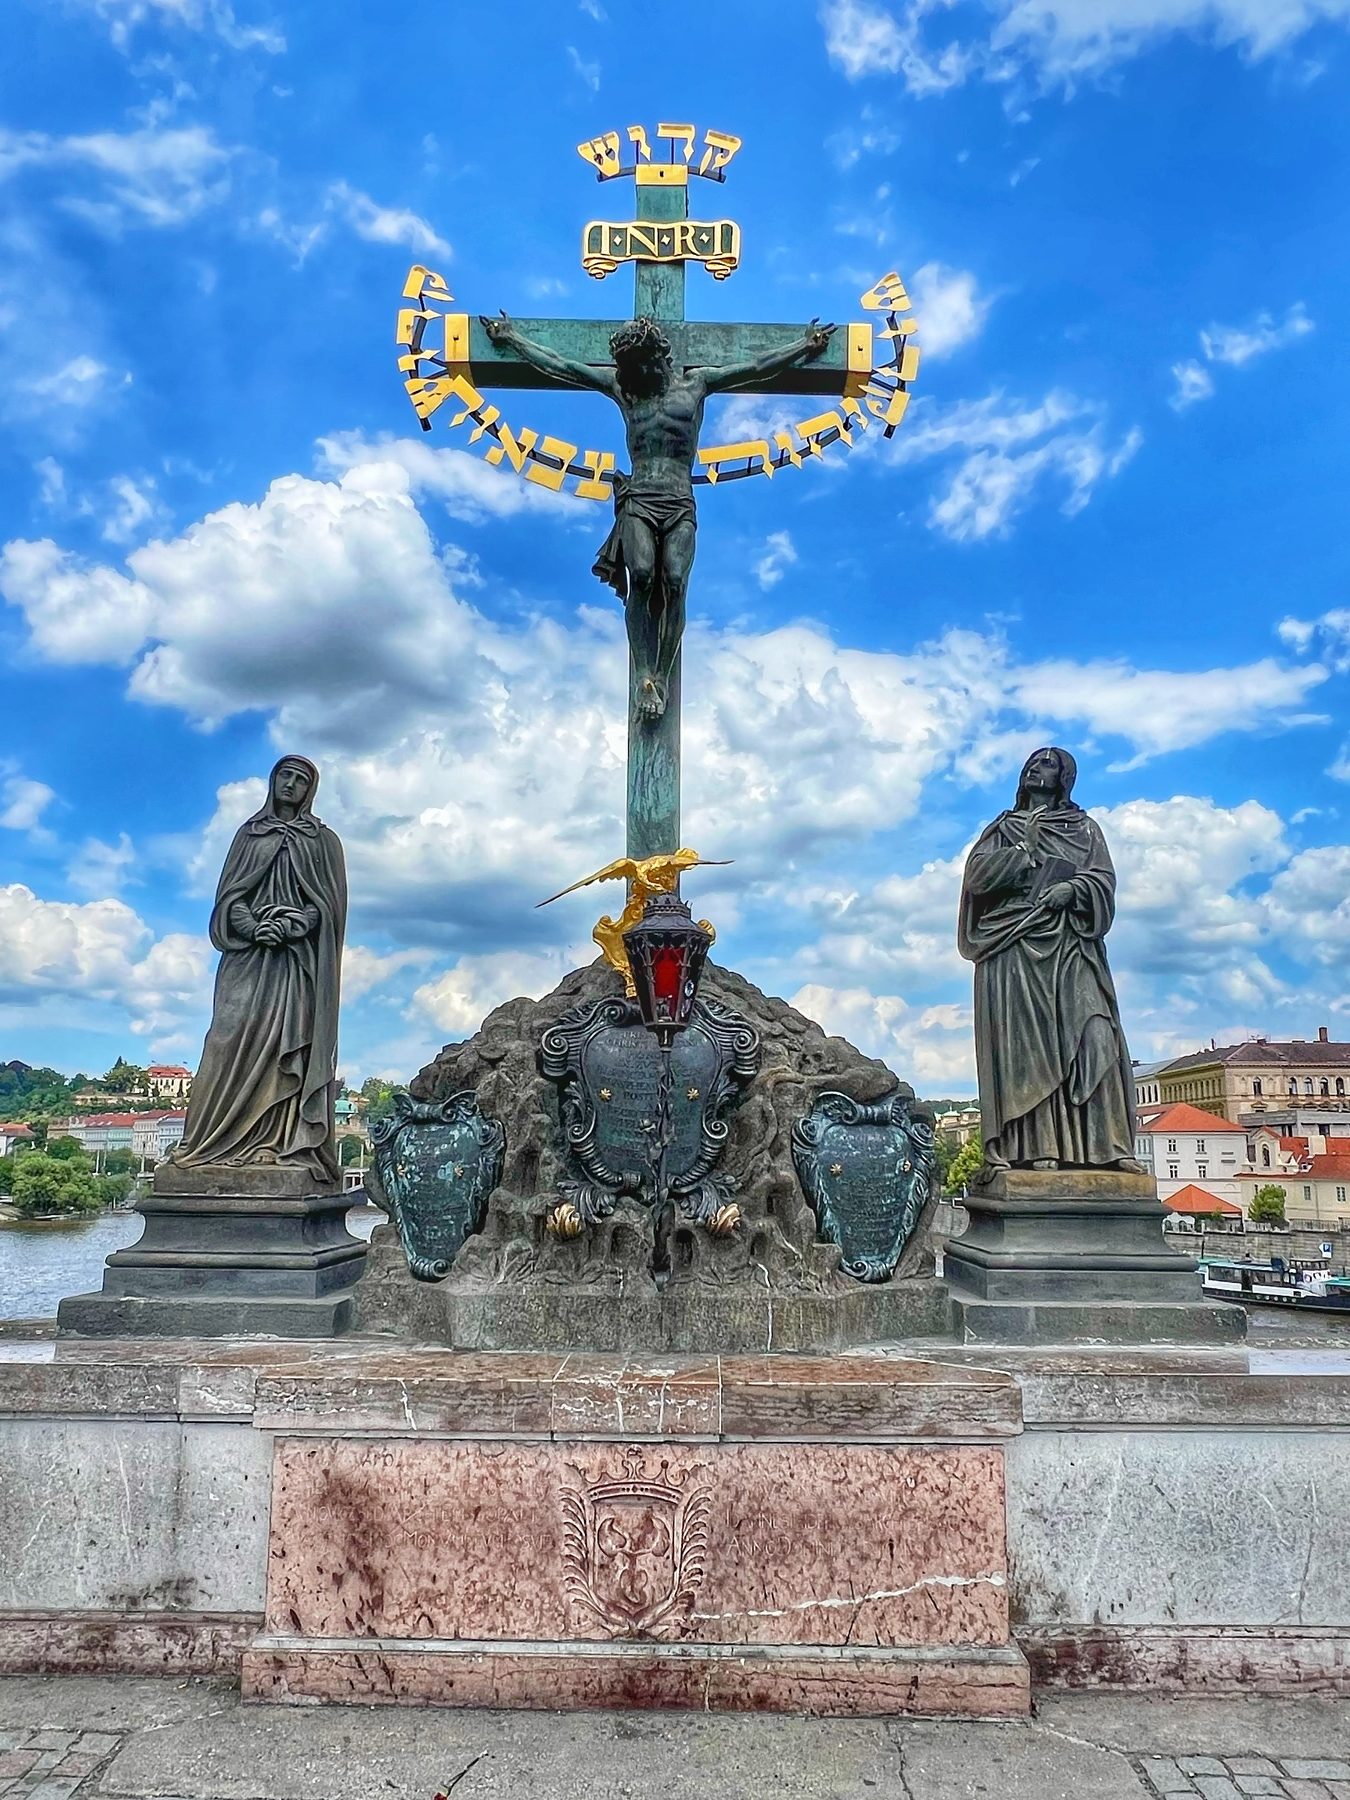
{"x":1038,"y":897}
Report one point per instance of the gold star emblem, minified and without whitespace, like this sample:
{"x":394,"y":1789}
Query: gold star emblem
{"x":836,"y":1168}
{"x":691,"y":1093}
{"x":605,"y":1094}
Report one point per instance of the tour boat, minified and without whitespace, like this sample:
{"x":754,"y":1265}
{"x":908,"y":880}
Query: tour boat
{"x":1308,"y":1286}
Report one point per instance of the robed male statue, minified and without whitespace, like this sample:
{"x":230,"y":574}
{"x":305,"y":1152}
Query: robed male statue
{"x":265,"y":1089}
{"x":1056,"y":1087}
{"x":647,"y":557}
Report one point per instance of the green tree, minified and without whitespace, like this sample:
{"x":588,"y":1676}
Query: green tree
{"x":46,"y":1184}
{"x":120,"y":1162}
{"x":378,"y":1096}
{"x":125,"y":1078}
{"x":964,"y":1166}
{"x":114,"y":1190}
{"x":350,"y":1149}
{"x":1267,"y":1207}
{"x":945,"y":1151}
{"x":8,"y":1164}
{"x":65,"y":1149}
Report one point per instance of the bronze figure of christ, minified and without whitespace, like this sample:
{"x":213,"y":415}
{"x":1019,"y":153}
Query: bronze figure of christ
{"x":647,"y":556}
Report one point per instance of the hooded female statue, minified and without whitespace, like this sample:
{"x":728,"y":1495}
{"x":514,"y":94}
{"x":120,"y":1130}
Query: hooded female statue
{"x":1038,"y":897}
{"x":264,"y":1091}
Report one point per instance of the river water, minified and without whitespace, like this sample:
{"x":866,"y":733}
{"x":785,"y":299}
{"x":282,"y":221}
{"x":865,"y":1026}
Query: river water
{"x":41,"y":1263}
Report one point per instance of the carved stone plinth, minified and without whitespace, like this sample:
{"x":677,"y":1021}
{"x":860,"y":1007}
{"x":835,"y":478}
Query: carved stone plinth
{"x":806,"y":1534}
{"x":228,"y":1252}
{"x":773,"y":1283}
{"x":1058,"y":1256}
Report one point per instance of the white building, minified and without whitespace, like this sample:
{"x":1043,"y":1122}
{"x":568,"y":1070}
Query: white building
{"x":15,"y":1137}
{"x":97,"y":1132}
{"x":155,"y":1134}
{"x":1185,"y":1147}
{"x":168,"y":1081}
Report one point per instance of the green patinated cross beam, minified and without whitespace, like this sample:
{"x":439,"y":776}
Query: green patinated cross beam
{"x":567,"y":353}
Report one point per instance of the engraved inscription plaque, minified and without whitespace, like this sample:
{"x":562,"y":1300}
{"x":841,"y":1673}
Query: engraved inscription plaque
{"x":606,"y":1067}
{"x":867,"y":1171}
{"x":436,"y":1163}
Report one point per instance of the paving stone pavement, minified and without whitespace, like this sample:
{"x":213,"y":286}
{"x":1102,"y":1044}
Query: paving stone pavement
{"x":1230,"y":1777}
{"x":90,"y":1738}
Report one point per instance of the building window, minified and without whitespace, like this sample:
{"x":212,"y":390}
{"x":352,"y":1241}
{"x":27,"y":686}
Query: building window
{"x":1172,"y":1172}
{"x":1293,"y":1087}
{"x":1256,"y":1086}
{"x":1324,"y":1089}
{"x":1202,"y":1169}
{"x":1307,"y":1084}
{"x":1265,"y":1156}
{"x":1307,"y":1192}
{"x":1340,"y":1084}
{"x":1340,"y":1196}
{"x":1171,"y":1146}
{"x":1199,"y":1146}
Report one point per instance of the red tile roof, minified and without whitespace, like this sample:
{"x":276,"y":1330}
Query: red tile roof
{"x":1332,"y":1167}
{"x":1190,"y":1118}
{"x":16,"y":1130}
{"x":1198,"y":1202}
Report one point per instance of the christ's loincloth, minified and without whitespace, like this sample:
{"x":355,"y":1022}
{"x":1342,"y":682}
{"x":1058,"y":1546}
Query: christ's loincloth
{"x":657,"y":507}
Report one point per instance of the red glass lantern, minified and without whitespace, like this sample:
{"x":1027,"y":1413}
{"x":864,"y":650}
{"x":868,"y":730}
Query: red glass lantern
{"x":666,"y":951}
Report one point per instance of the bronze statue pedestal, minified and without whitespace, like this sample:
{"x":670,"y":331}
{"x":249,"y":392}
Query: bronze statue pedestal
{"x":1076,"y":1255}
{"x":228,"y":1252}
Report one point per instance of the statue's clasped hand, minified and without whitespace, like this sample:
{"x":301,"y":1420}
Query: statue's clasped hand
{"x":1059,"y":896}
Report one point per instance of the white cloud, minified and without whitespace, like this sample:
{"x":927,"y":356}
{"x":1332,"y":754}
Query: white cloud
{"x":868,"y":40}
{"x":136,"y":505}
{"x":153,"y":177}
{"x":949,"y":310}
{"x":459,"y":1000}
{"x":76,"y":611}
{"x":215,"y":17}
{"x":1308,"y":903}
{"x":1238,"y":344}
{"x":1194,"y":382}
{"x":23,"y":802}
{"x":471,"y":488}
{"x":99,"y":951}
{"x":929,"y":1047}
{"x":385,"y":224}
{"x":364,"y":970}
{"x":779,"y":554}
{"x":1011,"y":451}
{"x":77,"y":386}
{"x":873,"y":134}
{"x":1329,"y":635}
{"x":102,"y":870}
{"x":1059,"y":42}
{"x":588,"y":72}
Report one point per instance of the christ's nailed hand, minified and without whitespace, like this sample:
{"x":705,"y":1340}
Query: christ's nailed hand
{"x":817,"y":336}
{"x":500,"y":329}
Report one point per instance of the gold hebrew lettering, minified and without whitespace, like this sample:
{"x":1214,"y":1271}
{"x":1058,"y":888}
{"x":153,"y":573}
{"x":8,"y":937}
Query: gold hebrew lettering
{"x":887,"y":296}
{"x":638,"y":137}
{"x":603,"y":153}
{"x":425,"y":282}
{"x":543,"y":471}
{"x":514,"y":449}
{"x":730,"y":453}
{"x":679,"y":134}
{"x":426,"y":396}
{"x":594,"y":483}
{"x":721,"y":147}
{"x":908,"y":362}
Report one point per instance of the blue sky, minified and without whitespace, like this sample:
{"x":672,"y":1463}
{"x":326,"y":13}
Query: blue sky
{"x":1114,"y":517}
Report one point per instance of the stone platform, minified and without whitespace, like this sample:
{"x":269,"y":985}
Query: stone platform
{"x":1174,"y":1518}
{"x":1076,"y":1256}
{"x":228,"y":1252}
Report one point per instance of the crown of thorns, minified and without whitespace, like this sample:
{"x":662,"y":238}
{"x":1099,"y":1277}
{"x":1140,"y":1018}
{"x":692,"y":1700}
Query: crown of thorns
{"x":641,"y":335}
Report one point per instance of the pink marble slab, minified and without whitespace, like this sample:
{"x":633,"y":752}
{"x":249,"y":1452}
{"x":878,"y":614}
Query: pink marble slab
{"x":784,"y":1544}
{"x":974,"y":1684}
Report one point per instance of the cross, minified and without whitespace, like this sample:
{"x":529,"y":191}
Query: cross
{"x":660,"y":242}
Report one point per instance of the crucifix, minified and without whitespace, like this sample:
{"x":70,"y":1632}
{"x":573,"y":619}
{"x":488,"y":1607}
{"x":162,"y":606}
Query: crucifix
{"x":659,"y":368}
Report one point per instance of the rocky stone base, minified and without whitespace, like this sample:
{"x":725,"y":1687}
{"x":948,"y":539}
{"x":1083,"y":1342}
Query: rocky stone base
{"x":771,"y":1284}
